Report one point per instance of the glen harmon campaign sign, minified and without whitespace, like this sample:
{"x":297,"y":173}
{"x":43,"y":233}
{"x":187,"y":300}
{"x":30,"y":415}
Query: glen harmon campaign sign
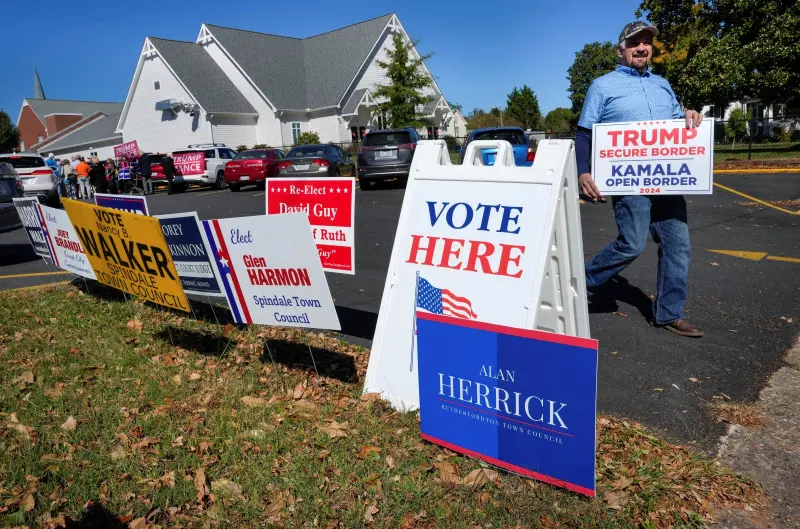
{"x":128,"y":252}
{"x":521,"y":400}
{"x":653,"y":158}
{"x":129,"y":203}
{"x":330,"y":206}
{"x":127,"y":151}
{"x":190,"y":163}
{"x":68,"y":253}
{"x":29,"y":215}
{"x":270,"y":271}
{"x":190,"y":252}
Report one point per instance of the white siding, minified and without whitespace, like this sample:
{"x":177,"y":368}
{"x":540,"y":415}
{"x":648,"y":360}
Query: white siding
{"x":286,"y":126}
{"x":268,"y":130}
{"x":326,"y":124}
{"x":234,"y":131}
{"x":104,"y":152}
{"x":374,"y":75}
{"x":156,"y":130}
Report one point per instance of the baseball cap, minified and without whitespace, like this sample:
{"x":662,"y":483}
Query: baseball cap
{"x":635,"y":27}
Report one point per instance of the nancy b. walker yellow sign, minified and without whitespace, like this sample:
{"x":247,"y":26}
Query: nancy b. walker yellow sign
{"x":128,"y":252}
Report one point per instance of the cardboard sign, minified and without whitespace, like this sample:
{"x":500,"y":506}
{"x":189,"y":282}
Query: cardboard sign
{"x":270,"y":271}
{"x":330,"y":206}
{"x":128,"y":150}
{"x":522,"y":400}
{"x":498,"y":244}
{"x":128,"y":252}
{"x":190,"y":163}
{"x":29,"y":215}
{"x":129,"y":203}
{"x":68,"y":253}
{"x":653,"y":158}
{"x":190,"y":251}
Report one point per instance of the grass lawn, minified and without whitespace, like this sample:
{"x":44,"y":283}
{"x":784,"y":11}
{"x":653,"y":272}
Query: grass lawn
{"x":761,"y":151}
{"x":121,"y":413}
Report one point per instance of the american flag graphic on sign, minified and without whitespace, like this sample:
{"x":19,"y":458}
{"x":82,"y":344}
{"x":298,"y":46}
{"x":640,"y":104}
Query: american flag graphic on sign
{"x":442,"y":301}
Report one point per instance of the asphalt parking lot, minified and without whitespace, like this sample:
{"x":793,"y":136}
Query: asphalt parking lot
{"x":746,"y":299}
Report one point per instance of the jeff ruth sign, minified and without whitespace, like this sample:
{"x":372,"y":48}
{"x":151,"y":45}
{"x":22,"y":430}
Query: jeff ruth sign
{"x":653,"y":158}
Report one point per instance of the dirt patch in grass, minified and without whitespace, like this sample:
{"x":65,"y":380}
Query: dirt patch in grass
{"x":143,"y":418}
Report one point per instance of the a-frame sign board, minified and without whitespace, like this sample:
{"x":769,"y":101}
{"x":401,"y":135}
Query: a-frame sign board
{"x":495,"y":243}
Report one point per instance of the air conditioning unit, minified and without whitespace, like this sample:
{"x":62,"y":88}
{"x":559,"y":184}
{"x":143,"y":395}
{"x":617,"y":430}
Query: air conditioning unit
{"x":175,"y":106}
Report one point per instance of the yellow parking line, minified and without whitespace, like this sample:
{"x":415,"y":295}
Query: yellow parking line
{"x":12,"y":276}
{"x":754,"y":199}
{"x":786,"y":259}
{"x":757,"y":171}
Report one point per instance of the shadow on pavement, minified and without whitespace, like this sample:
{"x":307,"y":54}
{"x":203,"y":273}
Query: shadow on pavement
{"x":14,"y":254}
{"x":357,"y":322}
{"x":605,"y":298}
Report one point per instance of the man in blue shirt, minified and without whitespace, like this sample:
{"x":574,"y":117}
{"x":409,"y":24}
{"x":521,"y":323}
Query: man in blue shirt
{"x":632,"y":93}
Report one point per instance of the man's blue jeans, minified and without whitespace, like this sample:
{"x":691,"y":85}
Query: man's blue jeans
{"x":666,"y":219}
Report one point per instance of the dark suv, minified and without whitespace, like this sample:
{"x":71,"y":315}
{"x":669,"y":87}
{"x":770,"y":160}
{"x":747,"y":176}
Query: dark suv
{"x":386,"y":154}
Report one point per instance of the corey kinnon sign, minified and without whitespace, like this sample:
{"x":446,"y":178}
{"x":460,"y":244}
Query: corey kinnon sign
{"x":128,"y":252}
{"x":270,"y":271}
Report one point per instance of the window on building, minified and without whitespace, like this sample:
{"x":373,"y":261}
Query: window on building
{"x":40,"y":138}
{"x":296,"y":131}
{"x":21,"y":145}
{"x":458,"y":132}
{"x":157,"y":85}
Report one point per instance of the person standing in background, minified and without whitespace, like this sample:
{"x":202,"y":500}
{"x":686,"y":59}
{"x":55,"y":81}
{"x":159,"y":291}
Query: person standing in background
{"x":97,"y":176}
{"x":64,"y":185}
{"x":147,"y":173}
{"x":168,"y":164}
{"x":111,"y":176}
{"x":82,"y":171}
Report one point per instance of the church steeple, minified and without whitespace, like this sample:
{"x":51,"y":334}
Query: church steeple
{"x":38,"y":91}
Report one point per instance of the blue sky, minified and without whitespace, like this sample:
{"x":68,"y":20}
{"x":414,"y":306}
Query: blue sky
{"x":87,"y":50}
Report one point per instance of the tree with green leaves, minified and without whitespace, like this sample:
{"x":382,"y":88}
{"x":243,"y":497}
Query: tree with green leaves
{"x":736,"y":125}
{"x":9,"y":134}
{"x":559,"y":120}
{"x":403,"y":96}
{"x":456,"y":106}
{"x":592,"y":61}
{"x":720,"y":51}
{"x":522,"y":106}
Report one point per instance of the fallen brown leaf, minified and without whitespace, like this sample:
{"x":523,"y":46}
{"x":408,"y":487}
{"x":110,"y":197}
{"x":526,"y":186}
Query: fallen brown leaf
{"x":369,"y":512}
{"x":367,"y":450}
{"x":448,"y":472}
{"x":305,"y":405}
{"x":616,"y":500}
{"x":228,"y":488}
{"x":390,"y":462}
{"x":622,"y":483}
{"x":28,"y":503}
{"x":253,"y":402}
{"x":692,"y":379}
{"x":201,"y":484}
{"x":335,"y":429}
{"x":70,"y":424}
{"x":480,"y":477}
{"x":167,"y":480}
{"x":135,"y":325}
{"x":299,"y":391}
{"x":25,"y":378}
{"x":118,"y":453}
{"x":615,"y":313}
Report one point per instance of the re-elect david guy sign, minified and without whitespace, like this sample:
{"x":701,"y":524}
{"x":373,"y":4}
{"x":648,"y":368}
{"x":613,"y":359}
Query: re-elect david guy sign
{"x":29,"y":216}
{"x":330,"y":206}
{"x":653,"y":158}
{"x":190,"y":252}
{"x":68,"y":252}
{"x":129,"y":203}
{"x":270,"y":271}
{"x":128,"y":252}
{"x":518,"y":399}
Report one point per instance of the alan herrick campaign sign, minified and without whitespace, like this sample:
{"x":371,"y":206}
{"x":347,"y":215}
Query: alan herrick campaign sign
{"x":653,"y":158}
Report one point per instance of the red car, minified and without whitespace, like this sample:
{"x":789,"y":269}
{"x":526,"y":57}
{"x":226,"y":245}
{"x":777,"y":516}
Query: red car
{"x":252,"y":167}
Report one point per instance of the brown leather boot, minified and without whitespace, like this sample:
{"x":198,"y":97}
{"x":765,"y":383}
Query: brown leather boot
{"x":684,"y":328}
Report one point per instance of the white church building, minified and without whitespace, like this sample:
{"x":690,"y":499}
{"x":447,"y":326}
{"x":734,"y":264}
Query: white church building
{"x":244,"y":88}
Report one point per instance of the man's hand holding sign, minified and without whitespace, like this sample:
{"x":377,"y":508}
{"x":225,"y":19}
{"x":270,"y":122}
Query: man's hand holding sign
{"x":648,"y":158}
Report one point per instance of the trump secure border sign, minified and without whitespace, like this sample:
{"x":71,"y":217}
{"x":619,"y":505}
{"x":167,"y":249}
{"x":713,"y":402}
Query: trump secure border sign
{"x":128,"y":252}
{"x":653,"y":158}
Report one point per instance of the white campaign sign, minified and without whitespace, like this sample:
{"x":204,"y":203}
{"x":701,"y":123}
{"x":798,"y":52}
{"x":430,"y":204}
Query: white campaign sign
{"x":653,"y":158}
{"x":499,"y":244}
{"x":68,"y":252}
{"x":270,"y":271}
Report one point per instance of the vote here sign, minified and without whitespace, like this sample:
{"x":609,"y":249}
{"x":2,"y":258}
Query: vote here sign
{"x":330,"y":206}
{"x":128,"y":252}
{"x":653,"y":158}
{"x":270,"y":272}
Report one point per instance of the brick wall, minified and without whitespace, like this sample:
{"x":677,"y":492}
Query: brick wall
{"x":30,"y":128}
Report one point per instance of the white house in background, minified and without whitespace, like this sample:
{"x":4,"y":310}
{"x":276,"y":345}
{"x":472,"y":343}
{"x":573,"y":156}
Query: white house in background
{"x":762,"y":118}
{"x":243,"y":88}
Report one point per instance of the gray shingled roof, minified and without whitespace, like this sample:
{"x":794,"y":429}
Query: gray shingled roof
{"x":99,"y":129}
{"x":44,"y":107}
{"x":214,"y":91}
{"x":296,"y":74}
{"x":352,"y":103}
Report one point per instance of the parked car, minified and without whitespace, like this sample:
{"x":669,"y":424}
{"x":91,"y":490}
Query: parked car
{"x":524,"y":153}
{"x":253,"y":167}
{"x":217,"y":155}
{"x":386,"y":154}
{"x":10,"y":188}
{"x":317,"y":160}
{"x":37,"y":178}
